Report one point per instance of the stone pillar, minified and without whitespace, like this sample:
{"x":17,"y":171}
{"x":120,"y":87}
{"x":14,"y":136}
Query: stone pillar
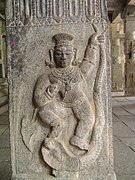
{"x":59,"y":78}
{"x":118,"y":56}
{"x":2,"y":49}
{"x":130,"y":51}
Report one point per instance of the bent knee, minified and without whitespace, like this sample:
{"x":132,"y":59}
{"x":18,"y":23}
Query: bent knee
{"x":45,"y":115}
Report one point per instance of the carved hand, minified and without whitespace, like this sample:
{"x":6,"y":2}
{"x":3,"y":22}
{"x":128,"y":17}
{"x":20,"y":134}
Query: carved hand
{"x":52,"y":90}
{"x":97,"y":38}
{"x":101,"y":39}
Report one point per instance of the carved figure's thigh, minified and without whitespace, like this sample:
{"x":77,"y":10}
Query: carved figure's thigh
{"x":54,"y":109}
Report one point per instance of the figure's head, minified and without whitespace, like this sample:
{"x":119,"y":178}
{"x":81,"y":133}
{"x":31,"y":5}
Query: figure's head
{"x":63,"y":51}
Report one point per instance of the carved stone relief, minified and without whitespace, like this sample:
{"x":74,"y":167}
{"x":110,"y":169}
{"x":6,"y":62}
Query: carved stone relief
{"x":75,"y":119}
{"x":59,"y":81}
{"x":51,"y":12}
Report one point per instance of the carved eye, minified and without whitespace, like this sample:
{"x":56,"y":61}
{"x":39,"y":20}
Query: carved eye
{"x":68,"y":53}
{"x":58,"y":53}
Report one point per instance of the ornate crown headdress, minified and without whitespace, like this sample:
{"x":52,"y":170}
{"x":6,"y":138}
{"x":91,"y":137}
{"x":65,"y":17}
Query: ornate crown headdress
{"x":62,"y":39}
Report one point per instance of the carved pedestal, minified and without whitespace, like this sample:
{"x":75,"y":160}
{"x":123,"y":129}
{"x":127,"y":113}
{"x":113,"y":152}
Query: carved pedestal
{"x":59,"y":77}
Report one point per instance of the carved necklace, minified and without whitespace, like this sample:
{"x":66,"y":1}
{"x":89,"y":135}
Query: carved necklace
{"x":65,"y":76}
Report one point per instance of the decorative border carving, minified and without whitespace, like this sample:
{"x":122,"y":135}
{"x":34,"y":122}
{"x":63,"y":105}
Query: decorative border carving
{"x":51,"y":12}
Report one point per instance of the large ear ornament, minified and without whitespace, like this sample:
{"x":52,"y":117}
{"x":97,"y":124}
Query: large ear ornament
{"x":51,"y":63}
{"x":75,"y":53}
{"x":74,"y":63}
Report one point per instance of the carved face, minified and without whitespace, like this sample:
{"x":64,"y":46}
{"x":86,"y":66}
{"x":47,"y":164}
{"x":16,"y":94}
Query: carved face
{"x":63,"y":56}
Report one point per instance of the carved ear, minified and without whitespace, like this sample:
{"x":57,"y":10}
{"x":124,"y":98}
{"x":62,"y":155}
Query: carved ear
{"x":74,"y":60}
{"x":51,"y":62}
{"x":75,"y":52}
{"x":51,"y":55}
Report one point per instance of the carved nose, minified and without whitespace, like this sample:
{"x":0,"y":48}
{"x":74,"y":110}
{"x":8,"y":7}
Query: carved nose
{"x":63,"y":56}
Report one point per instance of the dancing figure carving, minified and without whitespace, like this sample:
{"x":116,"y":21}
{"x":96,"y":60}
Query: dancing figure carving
{"x":62,"y":96}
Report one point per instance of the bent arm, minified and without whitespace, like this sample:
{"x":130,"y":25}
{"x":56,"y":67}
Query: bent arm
{"x":89,"y":61}
{"x":40,"y":95}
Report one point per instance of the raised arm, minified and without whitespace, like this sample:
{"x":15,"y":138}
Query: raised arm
{"x":90,"y":56}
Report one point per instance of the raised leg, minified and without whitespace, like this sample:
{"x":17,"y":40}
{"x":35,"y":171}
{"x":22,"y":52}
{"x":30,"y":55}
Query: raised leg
{"x":50,"y":115}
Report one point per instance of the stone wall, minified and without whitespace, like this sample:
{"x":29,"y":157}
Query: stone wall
{"x":2,"y":49}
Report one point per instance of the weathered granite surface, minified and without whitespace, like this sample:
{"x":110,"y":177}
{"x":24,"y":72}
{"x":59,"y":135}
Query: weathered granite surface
{"x":59,"y":76}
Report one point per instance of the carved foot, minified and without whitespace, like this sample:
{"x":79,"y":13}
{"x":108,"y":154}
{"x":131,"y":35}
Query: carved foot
{"x":48,"y":143}
{"x":80,"y":143}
